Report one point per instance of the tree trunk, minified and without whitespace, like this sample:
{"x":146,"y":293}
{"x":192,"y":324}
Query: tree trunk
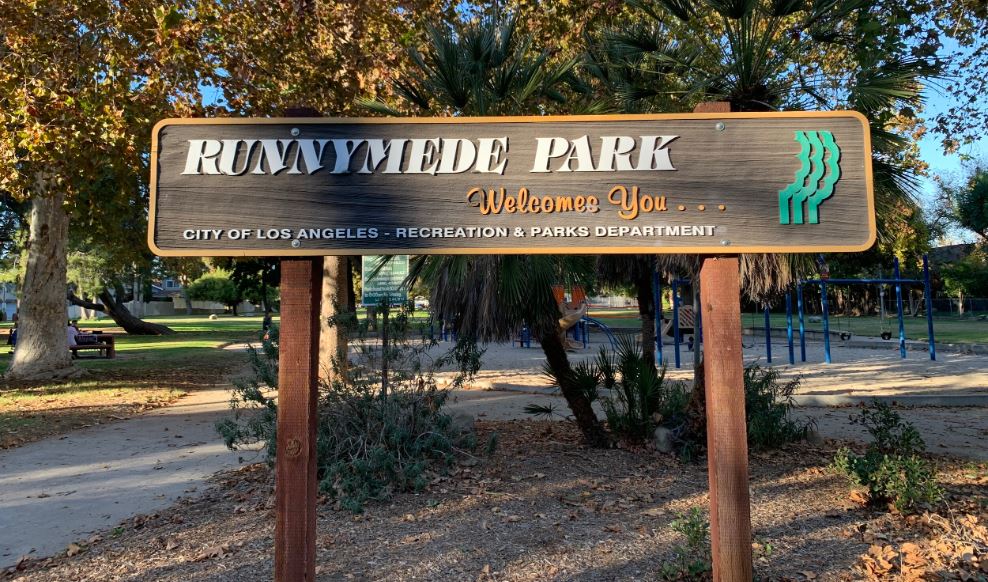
{"x":42,"y":351}
{"x":351,"y":303}
{"x":579,"y":404}
{"x":335,"y":294}
{"x":137,"y":301}
{"x":647,"y":310}
{"x":115,"y":308}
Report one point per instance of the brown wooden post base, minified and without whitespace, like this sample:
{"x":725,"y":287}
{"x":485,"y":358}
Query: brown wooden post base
{"x":727,"y":434}
{"x":295,"y":466}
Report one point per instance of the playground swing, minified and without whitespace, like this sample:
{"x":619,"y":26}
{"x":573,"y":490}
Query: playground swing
{"x":884,"y":330}
{"x":886,"y":334}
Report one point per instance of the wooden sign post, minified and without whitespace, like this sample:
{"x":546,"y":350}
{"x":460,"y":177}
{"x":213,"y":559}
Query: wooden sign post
{"x":714,"y":183}
{"x":727,"y":430}
{"x":295,"y":466}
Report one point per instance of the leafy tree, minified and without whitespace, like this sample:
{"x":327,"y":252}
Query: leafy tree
{"x":109,"y":262}
{"x":966,"y":277}
{"x":81,"y":83}
{"x":219,"y":287}
{"x":763,"y":55}
{"x":185,"y":270}
{"x":311,"y":58}
{"x":257,"y":279}
{"x":970,"y":202}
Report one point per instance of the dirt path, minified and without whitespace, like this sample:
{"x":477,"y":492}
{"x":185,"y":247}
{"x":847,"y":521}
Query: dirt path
{"x":56,"y":491}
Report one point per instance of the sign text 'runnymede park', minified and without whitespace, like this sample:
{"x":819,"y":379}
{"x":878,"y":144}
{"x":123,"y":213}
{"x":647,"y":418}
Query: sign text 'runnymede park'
{"x":698,"y":183}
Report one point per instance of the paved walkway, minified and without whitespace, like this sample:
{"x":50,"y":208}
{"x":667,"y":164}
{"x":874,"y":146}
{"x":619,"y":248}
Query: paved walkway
{"x":57,"y":491}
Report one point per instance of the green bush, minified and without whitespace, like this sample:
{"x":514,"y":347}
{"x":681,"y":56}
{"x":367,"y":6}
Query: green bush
{"x":892,"y":468}
{"x":767,"y":404}
{"x":371,"y":446}
{"x":216,"y":286}
{"x":636,"y":396}
{"x":637,"y":391}
{"x":254,"y":414}
{"x":692,"y":560}
{"x":371,"y":442}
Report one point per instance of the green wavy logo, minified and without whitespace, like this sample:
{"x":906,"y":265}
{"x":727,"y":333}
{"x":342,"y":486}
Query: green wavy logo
{"x":819,"y":171}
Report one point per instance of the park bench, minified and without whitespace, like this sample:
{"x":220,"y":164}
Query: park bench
{"x":103,"y":343}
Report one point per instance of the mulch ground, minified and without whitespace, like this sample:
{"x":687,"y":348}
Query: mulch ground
{"x":546,"y":508}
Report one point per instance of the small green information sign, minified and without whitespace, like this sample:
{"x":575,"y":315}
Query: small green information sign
{"x":382,"y":281}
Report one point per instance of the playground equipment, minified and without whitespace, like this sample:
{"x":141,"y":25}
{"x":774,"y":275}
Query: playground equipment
{"x":896,"y":280}
{"x":683,"y":318}
{"x":572,"y":311}
{"x":574,"y":318}
{"x":581,"y":332}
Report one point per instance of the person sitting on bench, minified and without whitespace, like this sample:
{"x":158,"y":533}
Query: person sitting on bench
{"x":71,"y":332}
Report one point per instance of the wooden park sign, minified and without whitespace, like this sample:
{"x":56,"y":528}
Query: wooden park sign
{"x":714,"y":183}
{"x":743,"y":182}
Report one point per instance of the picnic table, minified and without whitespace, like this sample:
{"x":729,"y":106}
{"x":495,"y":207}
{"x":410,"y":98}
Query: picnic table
{"x":103,"y":343}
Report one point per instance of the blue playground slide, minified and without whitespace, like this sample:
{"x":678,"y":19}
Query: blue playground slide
{"x":600,"y":325}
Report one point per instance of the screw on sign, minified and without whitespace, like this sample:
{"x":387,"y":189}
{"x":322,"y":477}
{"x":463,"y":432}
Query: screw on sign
{"x":302,"y":188}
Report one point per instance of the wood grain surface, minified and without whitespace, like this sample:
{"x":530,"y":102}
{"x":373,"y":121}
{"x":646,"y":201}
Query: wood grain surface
{"x":734,"y":172}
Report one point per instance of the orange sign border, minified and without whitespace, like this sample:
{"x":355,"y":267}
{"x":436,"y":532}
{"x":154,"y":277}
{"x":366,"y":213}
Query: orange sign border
{"x":631,"y":249}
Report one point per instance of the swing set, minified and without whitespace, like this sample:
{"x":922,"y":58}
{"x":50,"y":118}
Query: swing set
{"x":896,"y":281}
{"x":682,"y":315}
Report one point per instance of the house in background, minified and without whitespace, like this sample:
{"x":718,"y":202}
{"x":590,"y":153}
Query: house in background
{"x":8,"y":299}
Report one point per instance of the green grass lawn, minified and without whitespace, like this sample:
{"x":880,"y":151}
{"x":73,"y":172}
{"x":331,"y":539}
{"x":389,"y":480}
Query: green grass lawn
{"x":195,"y":342}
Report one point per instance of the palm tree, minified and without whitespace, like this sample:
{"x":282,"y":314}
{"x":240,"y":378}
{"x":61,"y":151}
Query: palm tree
{"x":488,"y":68}
{"x":762,"y":55}
{"x":770,"y":55}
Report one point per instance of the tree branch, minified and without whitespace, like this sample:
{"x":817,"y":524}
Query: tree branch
{"x":75,"y":300}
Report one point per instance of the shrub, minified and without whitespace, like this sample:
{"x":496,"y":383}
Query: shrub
{"x":216,"y":286}
{"x":692,"y":560}
{"x":767,"y":404}
{"x":254,"y":414}
{"x":636,"y":396}
{"x":370,"y":442}
{"x":371,"y":446}
{"x":892,"y":468}
{"x":636,"y":388}
{"x":637,"y":399}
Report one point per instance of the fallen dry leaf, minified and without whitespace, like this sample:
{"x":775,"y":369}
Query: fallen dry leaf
{"x":217,"y":551}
